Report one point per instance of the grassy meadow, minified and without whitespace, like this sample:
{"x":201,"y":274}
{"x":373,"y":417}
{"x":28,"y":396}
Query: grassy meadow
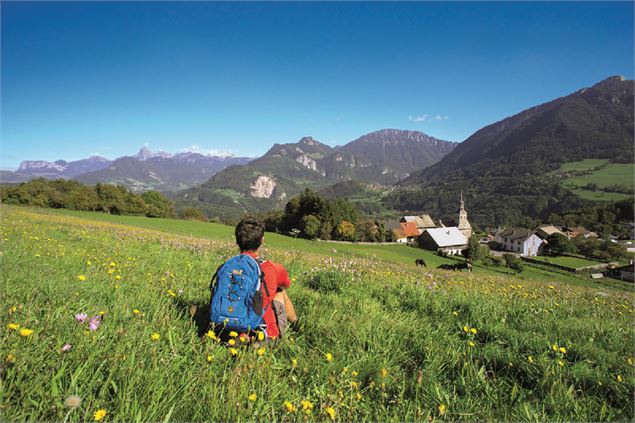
{"x":377,"y":339}
{"x":602,"y":174}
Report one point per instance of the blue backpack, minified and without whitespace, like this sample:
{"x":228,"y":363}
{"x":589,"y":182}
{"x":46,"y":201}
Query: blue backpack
{"x":236,"y":300}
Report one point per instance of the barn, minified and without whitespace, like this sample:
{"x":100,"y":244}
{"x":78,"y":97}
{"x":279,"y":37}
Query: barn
{"x":449,"y":240}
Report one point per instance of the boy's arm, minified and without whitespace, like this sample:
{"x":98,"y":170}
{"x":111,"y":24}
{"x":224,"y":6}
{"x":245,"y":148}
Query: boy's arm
{"x":282,"y":276}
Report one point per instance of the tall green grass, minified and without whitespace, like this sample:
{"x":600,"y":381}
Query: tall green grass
{"x":400,"y":338}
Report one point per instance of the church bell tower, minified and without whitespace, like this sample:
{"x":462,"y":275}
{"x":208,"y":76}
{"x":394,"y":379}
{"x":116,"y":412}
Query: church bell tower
{"x":464,"y":225}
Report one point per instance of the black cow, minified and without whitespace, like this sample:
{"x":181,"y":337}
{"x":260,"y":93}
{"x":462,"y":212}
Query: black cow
{"x":420,"y":262}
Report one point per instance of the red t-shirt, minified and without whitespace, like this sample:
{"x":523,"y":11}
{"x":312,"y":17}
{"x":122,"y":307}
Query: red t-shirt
{"x":275,"y":276}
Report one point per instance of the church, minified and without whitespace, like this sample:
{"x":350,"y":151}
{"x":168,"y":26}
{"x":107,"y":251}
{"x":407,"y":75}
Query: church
{"x":448,"y":240}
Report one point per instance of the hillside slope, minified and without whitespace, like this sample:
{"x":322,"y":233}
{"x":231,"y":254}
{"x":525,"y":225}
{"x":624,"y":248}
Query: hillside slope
{"x":504,"y":167}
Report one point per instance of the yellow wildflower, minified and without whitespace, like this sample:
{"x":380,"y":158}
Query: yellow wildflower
{"x":261,"y":351}
{"x":466,"y":329}
{"x":100,"y":414}
{"x":530,"y":359}
{"x":252,"y":397}
{"x":630,"y":361}
{"x":210,"y":358}
{"x":383,"y":372}
{"x":329,"y":357}
{"x":231,"y":342}
{"x":211,"y":334}
{"x":471,"y":344}
{"x":111,"y":271}
{"x":26,"y":332}
{"x":294,"y":362}
{"x":354,"y":384}
{"x":82,"y":277}
{"x":473,"y":330}
{"x":113,"y":264}
{"x":13,"y":326}
{"x":261,"y":336}
{"x":560,"y":363}
{"x":118,"y":277}
{"x":10,"y":358}
{"x":455,"y":313}
{"x":441,"y":409}
{"x":619,"y":378}
{"x":233,"y":334}
{"x":13,"y":309}
{"x":233,"y":351}
{"x":289,"y":406}
{"x":563,"y":350}
{"x":354,"y":373}
{"x":307,"y":406}
{"x":136,"y":311}
{"x":358,"y":396}
{"x":331,"y":412}
{"x":554,"y":347}
{"x":155,"y":336}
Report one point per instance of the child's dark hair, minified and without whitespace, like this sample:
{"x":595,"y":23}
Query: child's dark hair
{"x":249,"y":233}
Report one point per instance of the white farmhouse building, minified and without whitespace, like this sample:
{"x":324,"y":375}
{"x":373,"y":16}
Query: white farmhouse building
{"x":520,"y":240}
{"x":449,"y":240}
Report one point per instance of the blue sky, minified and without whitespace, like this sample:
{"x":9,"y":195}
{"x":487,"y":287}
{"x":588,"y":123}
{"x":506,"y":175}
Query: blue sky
{"x":105,"y":78}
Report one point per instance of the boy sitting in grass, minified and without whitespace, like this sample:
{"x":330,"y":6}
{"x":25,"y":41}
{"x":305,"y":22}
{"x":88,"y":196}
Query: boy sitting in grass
{"x":276,"y":303}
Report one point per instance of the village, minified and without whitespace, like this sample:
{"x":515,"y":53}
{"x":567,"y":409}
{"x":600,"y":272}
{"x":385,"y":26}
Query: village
{"x":529,"y":245}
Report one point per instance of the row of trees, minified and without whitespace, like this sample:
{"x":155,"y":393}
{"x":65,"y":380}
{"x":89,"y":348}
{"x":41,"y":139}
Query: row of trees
{"x":67,"y":194}
{"x":313,"y":216}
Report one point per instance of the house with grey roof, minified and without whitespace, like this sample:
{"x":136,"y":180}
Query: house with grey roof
{"x":450,"y":241}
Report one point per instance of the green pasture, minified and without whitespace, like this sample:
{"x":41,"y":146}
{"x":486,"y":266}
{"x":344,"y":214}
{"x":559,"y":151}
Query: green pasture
{"x":400,"y":254}
{"x":622,"y":174}
{"x":376,"y":340}
{"x":573,"y":262}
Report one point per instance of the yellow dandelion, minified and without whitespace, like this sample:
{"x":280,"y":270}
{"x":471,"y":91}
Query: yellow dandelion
{"x":630,"y":361}
{"x":100,"y":414}
{"x":530,"y":359}
{"x":383,"y":372}
{"x":354,"y":373}
{"x":13,"y":326}
{"x":330,"y":411}
{"x":10,"y":358}
{"x":155,"y":336}
{"x":111,"y":271}
{"x":12,"y":309}
{"x":294,"y":362}
{"x":563,"y":350}
{"x":210,"y":358}
{"x":441,"y":409}
{"x":233,"y":334}
{"x":26,"y":332}
{"x":252,"y":397}
{"x":329,"y":357}
{"x":358,"y":396}
{"x":466,"y":329}
{"x":211,"y":334}
{"x":307,"y":406}
{"x":471,"y":344}
{"x":231,"y":342}
{"x":82,"y":277}
{"x":136,"y":311}
{"x":354,"y":384}
{"x":233,"y":351}
{"x":455,"y":313}
{"x":118,"y":277}
{"x":560,"y":363}
{"x":289,"y":406}
{"x":261,"y":336}
{"x":261,"y":351}
{"x":554,"y":347}
{"x":113,"y":264}
{"x":619,"y":378}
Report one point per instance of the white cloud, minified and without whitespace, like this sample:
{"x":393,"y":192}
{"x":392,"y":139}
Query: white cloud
{"x":426,"y":117}
{"x":207,"y":152}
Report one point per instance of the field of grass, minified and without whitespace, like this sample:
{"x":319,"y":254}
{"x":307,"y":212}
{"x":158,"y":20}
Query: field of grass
{"x":573,"y":262}
{"x":394,"y":253}
{"x":602,"y":174}
{"x":376,"y":340}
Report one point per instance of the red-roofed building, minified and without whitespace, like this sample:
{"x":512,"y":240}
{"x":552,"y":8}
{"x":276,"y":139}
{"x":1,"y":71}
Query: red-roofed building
{"x":407,"y":232}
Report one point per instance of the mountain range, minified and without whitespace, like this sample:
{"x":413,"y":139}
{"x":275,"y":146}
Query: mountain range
{"x":382,"y":157}
{"x":143,"y":171}
{"x":505,"y":169}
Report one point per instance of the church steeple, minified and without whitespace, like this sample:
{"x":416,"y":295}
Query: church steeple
{"x":464,"y":225}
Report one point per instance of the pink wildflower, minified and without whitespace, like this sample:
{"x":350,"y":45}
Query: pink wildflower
{"x":94,"y":323}
{"x":81,"y":317}
{"x":66,"y":347}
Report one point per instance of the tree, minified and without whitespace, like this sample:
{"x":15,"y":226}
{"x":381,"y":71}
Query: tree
{"x":345,"y":230}
{"x":84,"y":198}
{"x":558,"y":244}
{"x":310,"y":226}
{"x":473,"y":250}
{"x":513,"y":262}
{"x":158,"y":205}
{"x":111,"y":198}
{"x":192,"y":213}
